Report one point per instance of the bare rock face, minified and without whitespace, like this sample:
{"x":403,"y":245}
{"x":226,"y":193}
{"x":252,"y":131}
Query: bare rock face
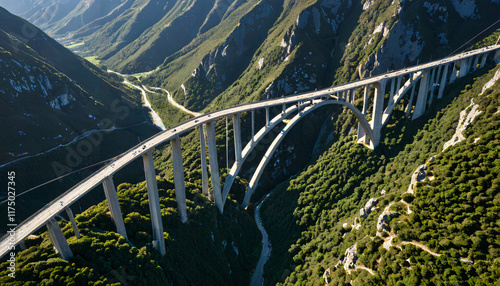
{"x":351,"y":257}
{"x":402,"y":43}
{"x":383,"y":222}
{"x":419,"y":175}
{"x":364,"y":212}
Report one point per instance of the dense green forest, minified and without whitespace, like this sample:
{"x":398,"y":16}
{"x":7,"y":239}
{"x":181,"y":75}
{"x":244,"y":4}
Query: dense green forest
{"x":445,"y":233}
{"x":217,"y":249}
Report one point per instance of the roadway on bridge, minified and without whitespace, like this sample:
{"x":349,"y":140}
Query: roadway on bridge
{"x":38,"y":220}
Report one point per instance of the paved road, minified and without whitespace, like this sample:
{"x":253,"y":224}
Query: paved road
{"x":173,"y":102}
{"x":156,"y":118}
{"x":39,"y":219}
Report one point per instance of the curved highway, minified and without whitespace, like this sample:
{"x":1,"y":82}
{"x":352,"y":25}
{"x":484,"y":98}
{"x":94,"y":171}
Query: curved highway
{"x":39,"y":219}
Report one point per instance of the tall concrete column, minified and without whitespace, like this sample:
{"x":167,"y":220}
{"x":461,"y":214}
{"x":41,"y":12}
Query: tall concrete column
{"x":453,"y":76}
{"x":496,"y":58}
{"x":444,"y":77}
{"x":361,"y":130}
{"x":422,"y":96}
{"x":483,"y":60}
{"x":378,"y":110}
{"x":476,"y":60}
{"x":214,"y":165}
{"x":58,"y":240}
{"x":69,"y":212}
{"x":204,"y":173}
{"x":253,"y":124}
{"x":283,"y":108}
{"x":154,"y":202}
{"x":391,"y":92}
{"x":267,"y":116}
{"x":438,"y":75}
{"x":398,"y":86}
{"x":463,"y":67}
{"x":410,"y":102}
{"x":431,"y":86}
{"x":180,"y":188}
{"x":114,"y":205}
{"x":237,"y":137}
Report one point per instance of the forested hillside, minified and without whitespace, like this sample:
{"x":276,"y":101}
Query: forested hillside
{"x":58,"y":113}
{"x":382,"y":218}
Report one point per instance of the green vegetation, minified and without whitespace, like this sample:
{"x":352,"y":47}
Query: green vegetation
{"x":93,"y":60}
{"x":230,"y":243}
{"x":74,"y":45}
{"x":453,"y":214}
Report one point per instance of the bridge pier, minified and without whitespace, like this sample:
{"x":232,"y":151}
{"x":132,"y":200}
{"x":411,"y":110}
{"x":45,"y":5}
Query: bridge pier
{"x":114,"y":205}
{"x":483,"y":60}
{"x":422,"y":96}
{"x":431,"y":86}
{"x":463,"y":68}
{"x":204,"y":173}
{"x":391,"y":92}
{"x":214,"y":165}
{"x":442,"y":85}
{"x":366,"y":103}
{"x":453,"y":76}
{"x":398,"y":86}
{"x":412,"y":95}
{"x":476,"y":60}
{"x":496,"y":58}
{"x":378,"y":109}
{"x":267,"y":116}
{"x":73,"y":222}
{"x":58,"y":240}
{"x":180,"y":188}
{"x":154,"y":202}
{"x":253,"y":124}
{"x":237,"y":137}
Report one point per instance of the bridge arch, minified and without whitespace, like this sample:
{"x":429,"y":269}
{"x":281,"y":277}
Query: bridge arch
{"x":279,"y":138}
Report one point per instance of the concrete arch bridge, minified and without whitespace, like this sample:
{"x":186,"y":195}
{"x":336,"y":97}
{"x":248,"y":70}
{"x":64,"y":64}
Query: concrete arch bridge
{"x":423,"y":84}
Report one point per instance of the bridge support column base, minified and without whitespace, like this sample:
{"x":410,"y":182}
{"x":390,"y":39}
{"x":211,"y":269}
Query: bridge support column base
{"x":154,"y":202}
{"x":214,"y":165}
{"x":442,"y":85}
{"x":180,"y":189}
{"x":114,"y":206}
{"x":58,"y":240}
{"x":204,"y":173}
{"x":69,"y":212}
{"x":422,"y":96}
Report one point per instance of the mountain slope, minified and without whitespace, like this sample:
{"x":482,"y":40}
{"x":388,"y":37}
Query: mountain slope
{"x":325,"y":223}
{"x":50,"y":93}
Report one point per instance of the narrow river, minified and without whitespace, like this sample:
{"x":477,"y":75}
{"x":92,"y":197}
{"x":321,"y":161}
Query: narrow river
{"x":257,"y":277}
